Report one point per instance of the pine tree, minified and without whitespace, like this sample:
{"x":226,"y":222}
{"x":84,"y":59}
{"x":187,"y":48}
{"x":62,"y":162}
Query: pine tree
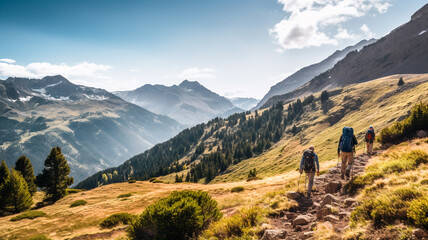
{"x":4,"y":172}
{"x":54,"y":179}
{"x":23,"y":165}
{"x":400,"y":82}
{"x":15,"y":194}
{"x":324,"y":96}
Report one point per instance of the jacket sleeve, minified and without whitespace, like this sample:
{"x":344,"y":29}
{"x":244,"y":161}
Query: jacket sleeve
{"x":365,"y":136}
{"x":316,"y":161}
{"x":338,"y":146}
{"x":301,"y":163}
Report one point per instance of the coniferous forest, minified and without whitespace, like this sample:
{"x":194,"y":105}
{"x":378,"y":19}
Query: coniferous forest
{"x":225,"y":142}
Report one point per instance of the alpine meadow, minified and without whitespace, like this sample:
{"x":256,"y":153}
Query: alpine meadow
{"x":197,"y":120}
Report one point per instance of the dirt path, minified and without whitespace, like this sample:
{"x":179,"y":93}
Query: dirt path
{"x":329,"y":205}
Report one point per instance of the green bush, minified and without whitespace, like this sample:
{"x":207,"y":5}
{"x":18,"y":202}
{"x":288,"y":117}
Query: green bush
{"x":237,"y":226}
{"x":132,"y":181}
{"x":361,"y":181}
{"x":237,"y":189}
{"x":182,"y":215}
{"x":28,"y":215}
{"x":39,"y":237}
{"x":116,"y":219}
{"x":157,"y":181}
{"x":418,"y":212}
{"x":424,"y":181}
{"x":125,"y":195}
{"x":407,"y":128}
{"x":77,"y":203}
{"x":417,"y":157}
{"x":387,"y":208}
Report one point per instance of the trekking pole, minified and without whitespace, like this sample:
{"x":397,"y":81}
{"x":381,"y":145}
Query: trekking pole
{"x":305,"y":181}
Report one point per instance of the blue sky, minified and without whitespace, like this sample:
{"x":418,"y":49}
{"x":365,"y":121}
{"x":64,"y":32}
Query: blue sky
{"x":233,"y":47}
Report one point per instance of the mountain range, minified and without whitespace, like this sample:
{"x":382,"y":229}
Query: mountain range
{"x":189,"y":102}
{"x":403,"y":50}
{"x":306,"y":74}
{"x":94,"y":128}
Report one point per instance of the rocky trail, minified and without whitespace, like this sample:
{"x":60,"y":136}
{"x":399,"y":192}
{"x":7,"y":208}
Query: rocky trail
{"x":328,"y":204}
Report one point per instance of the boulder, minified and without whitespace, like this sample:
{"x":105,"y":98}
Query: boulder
{"x":274,"y":234}
{"x":307,"y":235}
{"x":331,"y":218}
{"x":344,"y":214}
{"x":290,"y":215}
{"x":302,"y":220}
{"x":349,"y":202}
{"x":326,"y":210}
{"x":294,"y":195}
{"x":334,"y":170}
{"x":328,"y":199}
{"x":333,"y":187}
{"x":419,"y":233}
{"x":421,"y":134}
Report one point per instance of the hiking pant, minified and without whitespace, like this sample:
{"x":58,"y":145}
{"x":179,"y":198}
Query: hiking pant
{"x":369,"y":147}
{"x":310,"y":176}
{"x":347,"y":161}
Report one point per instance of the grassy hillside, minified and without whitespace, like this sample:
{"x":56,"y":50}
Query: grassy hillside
{"x":392,"y":205}
{"x":65,"y":222}
{"x":377,"y":103}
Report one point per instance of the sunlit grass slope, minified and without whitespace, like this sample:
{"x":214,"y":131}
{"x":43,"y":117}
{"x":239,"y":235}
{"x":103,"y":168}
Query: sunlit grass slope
{"x":378,"y":103}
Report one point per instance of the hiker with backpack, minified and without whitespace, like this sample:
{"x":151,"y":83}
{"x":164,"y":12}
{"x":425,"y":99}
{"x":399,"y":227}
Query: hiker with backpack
{"x":307,"y":164}
{"x":370,"y":138}
{"x":346,"y":150}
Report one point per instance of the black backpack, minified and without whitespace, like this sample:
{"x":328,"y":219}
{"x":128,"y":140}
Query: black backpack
{"x":309,"y":158}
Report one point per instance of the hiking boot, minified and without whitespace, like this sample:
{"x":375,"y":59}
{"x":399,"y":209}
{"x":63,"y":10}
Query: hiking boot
{"x":347,"y":173}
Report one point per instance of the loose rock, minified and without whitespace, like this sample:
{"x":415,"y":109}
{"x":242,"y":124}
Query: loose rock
{"x":349,"y":202}
{"x":419,"y":233}
{"x":294,"y":195}
{"x":333,"y":187}
{"x":274,"y":234}
{"x":331,"y":218}
{"x":302,"y":220}
{"x":328,"y":199}
{"x":307,"y":235}
{"x":326,"y":210}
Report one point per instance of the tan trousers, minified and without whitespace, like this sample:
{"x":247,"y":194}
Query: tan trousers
{"x":310,"y":176}
{"x":369,"y":147}
{"x":347,"y":160}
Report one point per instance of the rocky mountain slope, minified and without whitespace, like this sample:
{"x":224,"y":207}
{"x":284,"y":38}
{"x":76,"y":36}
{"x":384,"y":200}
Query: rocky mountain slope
{"x":306,"y":74}
{"x":189,"y":103}
{"x":94,"y":128}
{"x":404,"y":50}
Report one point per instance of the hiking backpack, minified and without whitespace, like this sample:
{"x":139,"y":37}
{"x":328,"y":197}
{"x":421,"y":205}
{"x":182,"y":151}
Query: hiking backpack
{"x":370,"y":135}
{"x":309,"y":158}
{"x":346,"y":143}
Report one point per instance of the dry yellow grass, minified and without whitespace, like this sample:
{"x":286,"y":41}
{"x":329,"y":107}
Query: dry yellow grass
{"x":63,"y":222}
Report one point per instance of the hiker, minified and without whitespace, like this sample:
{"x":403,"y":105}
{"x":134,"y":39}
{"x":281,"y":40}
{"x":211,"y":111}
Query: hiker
{"x":370,"y":138}
{"x":347,"y":144}
{"x":307,"y":164}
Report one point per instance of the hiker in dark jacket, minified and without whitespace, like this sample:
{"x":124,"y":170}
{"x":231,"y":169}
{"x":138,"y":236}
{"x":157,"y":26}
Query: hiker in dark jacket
{"x":370,"y":138}
{"x":346,"y":150}
{"x":309,"y":163}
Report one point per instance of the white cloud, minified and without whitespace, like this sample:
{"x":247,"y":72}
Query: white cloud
{"x":309,"y":21}
{"x":7,"y":60}
{"x":366,"y":31}
{"x":343,"y":34}
{"x":42,"y":69}
{"x":134,"y":70}
{"x":194,"y":73}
